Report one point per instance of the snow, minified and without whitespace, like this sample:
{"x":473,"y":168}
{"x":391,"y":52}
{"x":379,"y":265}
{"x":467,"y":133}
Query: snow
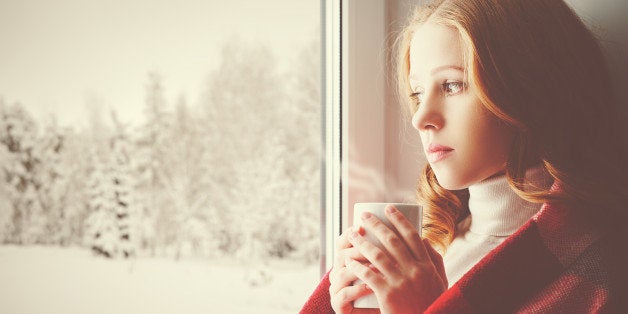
{"x":235,"y":175}
{"x":38,"y":279}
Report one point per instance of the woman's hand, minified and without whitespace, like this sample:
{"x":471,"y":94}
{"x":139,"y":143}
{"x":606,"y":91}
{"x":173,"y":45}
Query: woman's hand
{"x":341,"y":291}
{"x":409,"y":274}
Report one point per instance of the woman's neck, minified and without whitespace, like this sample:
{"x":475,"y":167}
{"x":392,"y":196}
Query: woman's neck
{"x":496,"y":209}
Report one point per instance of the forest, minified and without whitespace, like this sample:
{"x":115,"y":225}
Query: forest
{"x":235,"y":174}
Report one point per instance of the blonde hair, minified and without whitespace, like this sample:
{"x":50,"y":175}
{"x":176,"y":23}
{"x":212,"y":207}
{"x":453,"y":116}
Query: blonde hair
{"x":539,"y":69}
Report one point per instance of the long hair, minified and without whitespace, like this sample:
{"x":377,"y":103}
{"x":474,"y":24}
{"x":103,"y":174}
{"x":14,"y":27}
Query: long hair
{"x":537,"y":67}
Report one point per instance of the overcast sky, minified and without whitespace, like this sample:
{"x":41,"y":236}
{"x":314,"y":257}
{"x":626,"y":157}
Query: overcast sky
{"x":57,"y":55}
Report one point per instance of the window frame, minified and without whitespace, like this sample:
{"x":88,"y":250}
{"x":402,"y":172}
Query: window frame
{"x":364,"y":131}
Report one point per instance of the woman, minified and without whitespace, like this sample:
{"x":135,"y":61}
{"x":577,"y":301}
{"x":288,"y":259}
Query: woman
{"x":525,"y":188}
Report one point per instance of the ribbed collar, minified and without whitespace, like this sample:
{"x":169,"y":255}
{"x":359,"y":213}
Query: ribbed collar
{"x":496,"y":209}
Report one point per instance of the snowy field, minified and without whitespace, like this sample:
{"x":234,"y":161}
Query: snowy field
{"x":71,"y":280}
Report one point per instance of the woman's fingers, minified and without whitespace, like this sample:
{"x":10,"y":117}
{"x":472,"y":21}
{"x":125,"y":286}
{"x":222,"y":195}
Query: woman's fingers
{"x":341,"y":243}
{"x":376,"y":256}
{"x":408,"y":233}
{"x":342,"y":301}
{"x":345,"y":249}
{"x":341,"y":291}
{"x":340,"y":278}
{"x":352,"y":252}
{"x":389,"y":239}
{"x":369,"y":275}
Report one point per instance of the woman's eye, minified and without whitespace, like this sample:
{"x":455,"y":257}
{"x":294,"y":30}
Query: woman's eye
{"x":453,"y":88}
{"x":416,"y":98}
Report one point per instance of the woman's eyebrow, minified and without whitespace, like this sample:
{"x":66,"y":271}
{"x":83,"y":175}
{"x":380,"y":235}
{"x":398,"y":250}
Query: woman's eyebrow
{"x":415,"y":81}
{"x":446,"y":67}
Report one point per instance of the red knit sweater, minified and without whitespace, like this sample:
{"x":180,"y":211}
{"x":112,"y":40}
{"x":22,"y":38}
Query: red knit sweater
{"x":560,"y":261}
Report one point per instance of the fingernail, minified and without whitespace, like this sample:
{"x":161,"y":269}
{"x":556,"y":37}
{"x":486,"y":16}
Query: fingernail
{"x":353,"y":235}
{"x":390,"y":209}
{"x":366,"y":215}
{"x":359,"y":230}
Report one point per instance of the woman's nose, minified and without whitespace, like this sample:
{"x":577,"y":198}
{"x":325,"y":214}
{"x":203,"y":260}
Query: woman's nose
{"x":428,"y":116}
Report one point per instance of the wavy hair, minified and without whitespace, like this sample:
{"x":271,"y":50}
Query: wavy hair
{"x":538,"y":68}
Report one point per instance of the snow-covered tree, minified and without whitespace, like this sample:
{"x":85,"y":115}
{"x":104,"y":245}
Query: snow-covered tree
{"x":72,"y":194}
{"x":112,"y":202}
{"x":150,"y":162}
{"x":304,"y":142}
{"x":37,"y":180}
{"x":51,"y":179}
{"x":18,"y":135}
{"x":242,"y":111}
{"x":101,"y":233}
{"x":188,"y":183}
{"x":263,"y":131}
{"x":237,"y":174}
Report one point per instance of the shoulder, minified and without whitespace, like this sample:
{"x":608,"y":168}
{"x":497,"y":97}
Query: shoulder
{"x":593,"y":281}
{"x":605,"y":265}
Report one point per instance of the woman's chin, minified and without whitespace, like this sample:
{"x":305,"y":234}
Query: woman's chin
{"x":450,"y":182}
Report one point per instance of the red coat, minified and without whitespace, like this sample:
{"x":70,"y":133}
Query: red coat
{"x":560,"y":261}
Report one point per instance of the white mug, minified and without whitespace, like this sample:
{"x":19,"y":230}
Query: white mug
{"x":410,"y":211}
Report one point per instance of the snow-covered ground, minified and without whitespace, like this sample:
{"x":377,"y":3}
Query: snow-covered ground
{"x":71,"y":280}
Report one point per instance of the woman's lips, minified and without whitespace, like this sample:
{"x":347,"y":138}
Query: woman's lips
{"x":436,"y":152}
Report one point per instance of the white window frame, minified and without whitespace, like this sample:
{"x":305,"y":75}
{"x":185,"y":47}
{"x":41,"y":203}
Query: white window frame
{"x":361,"y":120}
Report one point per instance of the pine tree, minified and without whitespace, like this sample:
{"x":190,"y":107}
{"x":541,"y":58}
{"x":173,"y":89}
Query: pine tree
{"x":264,"y":133}
{"x":72,"y":195}
{"x":112,"y":200}
{"x":100,"y":232}
{"x":52,"y":178}
{"x":188,"y":184}
{"x":18,"y":134}
{"x":123,"y":189}
{"x":242,"y":105}
{"x":150,"y":151}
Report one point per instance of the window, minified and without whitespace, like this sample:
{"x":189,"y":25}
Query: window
{"x":372,"y":153}
{"x":159,"y":156}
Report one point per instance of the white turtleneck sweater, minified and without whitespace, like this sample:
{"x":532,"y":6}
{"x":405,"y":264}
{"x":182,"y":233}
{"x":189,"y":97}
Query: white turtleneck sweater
{"x":496,"y":212}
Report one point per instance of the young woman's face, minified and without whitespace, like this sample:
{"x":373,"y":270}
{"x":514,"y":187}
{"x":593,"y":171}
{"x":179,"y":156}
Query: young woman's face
{"x":463,"y":141}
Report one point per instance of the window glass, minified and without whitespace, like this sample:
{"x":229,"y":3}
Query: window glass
{"x":159,"y":156}
{"x":381,"y":156}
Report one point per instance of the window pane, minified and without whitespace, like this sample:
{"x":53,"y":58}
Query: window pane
{"x":159,"y":156}
{"x":381,"y":151}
